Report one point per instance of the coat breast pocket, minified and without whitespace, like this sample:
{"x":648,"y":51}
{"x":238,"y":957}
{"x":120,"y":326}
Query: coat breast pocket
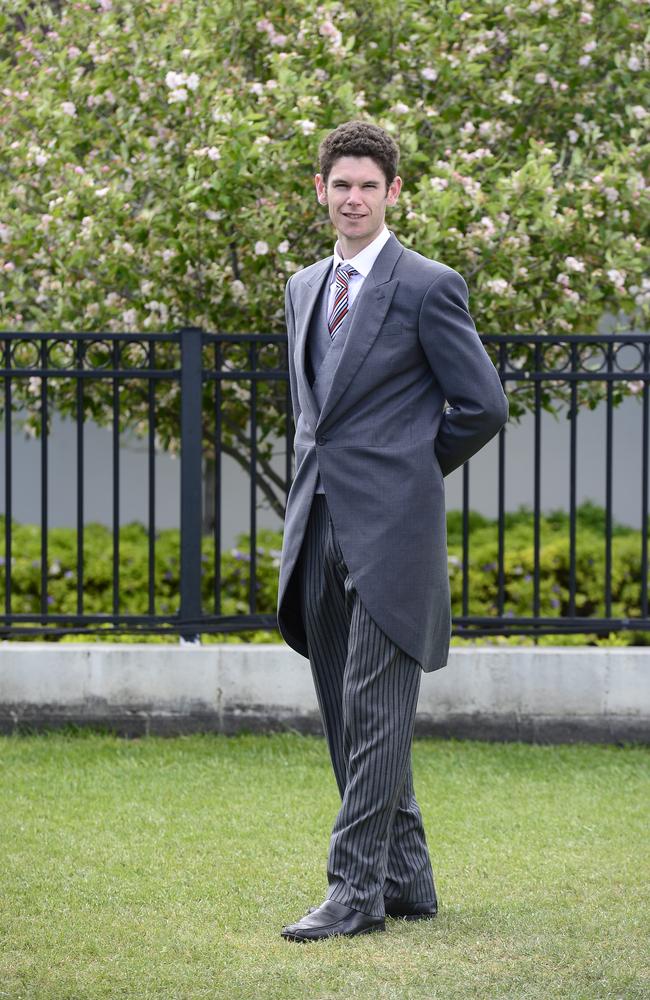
{"x":391,"y":330}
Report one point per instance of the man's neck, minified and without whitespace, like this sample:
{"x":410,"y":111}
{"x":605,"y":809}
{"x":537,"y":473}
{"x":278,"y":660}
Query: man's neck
{"x":350,"y":248}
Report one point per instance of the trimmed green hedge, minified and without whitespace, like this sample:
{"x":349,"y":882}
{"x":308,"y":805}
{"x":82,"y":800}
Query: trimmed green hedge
{"x":235,"y":572}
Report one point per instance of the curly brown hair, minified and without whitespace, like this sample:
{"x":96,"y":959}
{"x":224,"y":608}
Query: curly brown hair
{"x":359,"y":139}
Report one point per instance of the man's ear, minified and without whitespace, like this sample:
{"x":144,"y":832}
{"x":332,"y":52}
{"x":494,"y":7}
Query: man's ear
{"x":321,"y":189}
{"x":394,"y":189}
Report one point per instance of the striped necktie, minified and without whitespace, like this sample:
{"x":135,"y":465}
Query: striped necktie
{"x":340,"y":307}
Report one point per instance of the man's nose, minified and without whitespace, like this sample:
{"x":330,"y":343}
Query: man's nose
{"x":354,"y":196}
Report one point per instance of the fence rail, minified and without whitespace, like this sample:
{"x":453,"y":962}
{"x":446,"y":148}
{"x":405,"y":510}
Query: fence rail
{"x":217,"y":385}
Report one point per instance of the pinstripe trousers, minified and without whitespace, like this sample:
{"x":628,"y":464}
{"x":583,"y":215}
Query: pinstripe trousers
{"x":367,"y":690}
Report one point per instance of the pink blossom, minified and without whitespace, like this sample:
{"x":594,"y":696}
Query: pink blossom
{"x":68,"y":108}
{"x":617,"y":277}
{"x":429,"y":73}
{"x":641,"y":293}
{"x":261,"y":248}
{"x":328,"y":30}
{"x":306,"y":126}
{"x":499,"y":286}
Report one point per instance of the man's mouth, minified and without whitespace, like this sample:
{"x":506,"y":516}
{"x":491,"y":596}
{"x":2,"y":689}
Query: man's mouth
{"x":353,"y":215}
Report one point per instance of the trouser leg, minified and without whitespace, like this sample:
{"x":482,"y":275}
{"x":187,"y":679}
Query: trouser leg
{"x":326,"y":619}
{"x":380,"y":691}
{"x":408,"y":870}
{"x":367,"y":692}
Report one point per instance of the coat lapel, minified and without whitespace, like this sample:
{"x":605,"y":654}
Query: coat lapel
{"x":370,"y":309}
{"x":304,"y":309}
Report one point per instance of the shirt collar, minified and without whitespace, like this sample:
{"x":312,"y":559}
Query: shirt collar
{"x":363,"y":261}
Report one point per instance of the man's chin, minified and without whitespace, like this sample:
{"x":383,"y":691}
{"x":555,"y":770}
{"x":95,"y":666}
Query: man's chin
{"x":356,"y":231}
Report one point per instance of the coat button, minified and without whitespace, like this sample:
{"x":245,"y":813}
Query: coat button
{"x":321,"y":440}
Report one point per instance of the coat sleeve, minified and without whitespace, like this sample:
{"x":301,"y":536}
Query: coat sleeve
{"x":291,"y":343}
{"x":478,"y":407}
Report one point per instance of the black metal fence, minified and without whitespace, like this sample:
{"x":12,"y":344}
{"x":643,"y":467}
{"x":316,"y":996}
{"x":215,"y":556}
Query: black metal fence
{"x":218,"y":389}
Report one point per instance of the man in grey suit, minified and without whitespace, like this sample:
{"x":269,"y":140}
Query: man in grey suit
{"x":379,"y":340}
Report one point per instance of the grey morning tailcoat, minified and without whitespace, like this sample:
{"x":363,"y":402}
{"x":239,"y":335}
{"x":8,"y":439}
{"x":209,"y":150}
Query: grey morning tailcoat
{"x":383,"y":440}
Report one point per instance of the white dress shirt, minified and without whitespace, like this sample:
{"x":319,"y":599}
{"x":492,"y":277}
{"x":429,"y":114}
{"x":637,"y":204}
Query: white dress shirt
{"x":361,"y":262}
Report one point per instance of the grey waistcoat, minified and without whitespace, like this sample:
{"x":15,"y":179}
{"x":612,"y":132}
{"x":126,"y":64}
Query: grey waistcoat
{"x":324,"y":353}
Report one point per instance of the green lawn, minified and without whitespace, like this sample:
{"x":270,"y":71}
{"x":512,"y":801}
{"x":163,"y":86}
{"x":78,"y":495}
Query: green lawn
{"x":166,"y":868}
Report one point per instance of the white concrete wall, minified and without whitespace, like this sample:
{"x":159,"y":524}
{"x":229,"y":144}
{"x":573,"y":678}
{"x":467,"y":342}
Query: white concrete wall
{"x":549,"y":694}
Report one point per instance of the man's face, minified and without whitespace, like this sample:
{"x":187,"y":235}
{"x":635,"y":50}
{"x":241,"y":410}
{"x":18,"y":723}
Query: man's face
{"x":357,"y":195}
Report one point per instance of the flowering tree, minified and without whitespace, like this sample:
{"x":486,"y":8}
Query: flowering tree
{"x":158,"y":160}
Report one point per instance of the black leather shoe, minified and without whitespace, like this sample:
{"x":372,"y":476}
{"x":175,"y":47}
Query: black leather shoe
{"x":332,"y":919}
{"x":402,"y":910}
